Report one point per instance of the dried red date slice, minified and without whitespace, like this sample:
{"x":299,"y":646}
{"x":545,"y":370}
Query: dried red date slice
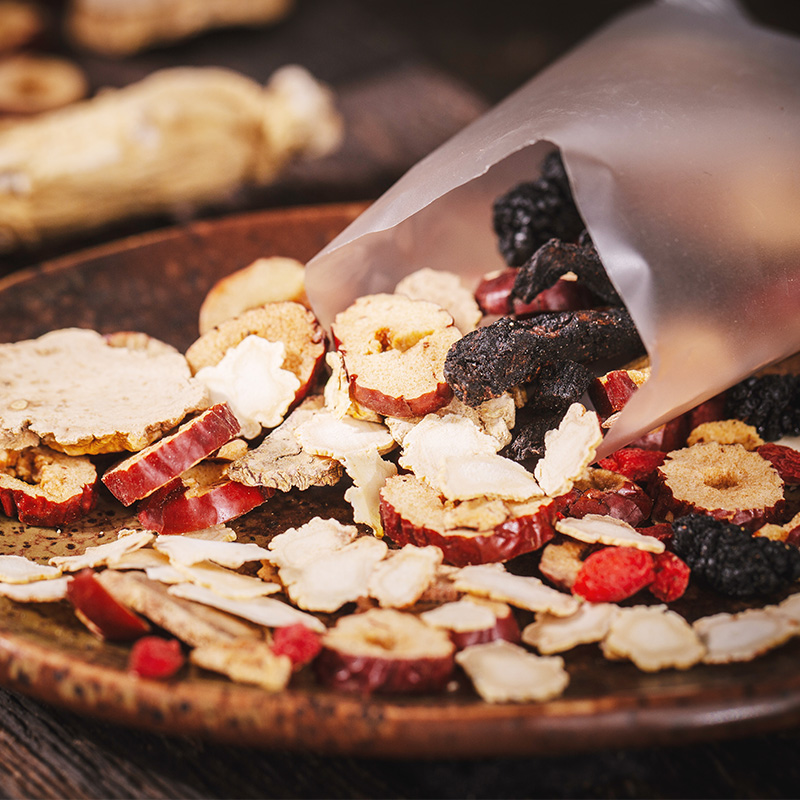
{"x":471,"y":532}
{"x":726,"y":482}
{"x":40,"y":486}
{"x":634,"y":463}
{"x":494,"y":296}
{"x":394,"y":350}
{"x":203,"y":496}
{"x":149,"y":469}
{"x":610,"y":392}
{"x":609,"y":494}
{"x":786,"y":461}
{"x":383,"y":650}
{"x":101,"y":612}
{"x":473,"y":620}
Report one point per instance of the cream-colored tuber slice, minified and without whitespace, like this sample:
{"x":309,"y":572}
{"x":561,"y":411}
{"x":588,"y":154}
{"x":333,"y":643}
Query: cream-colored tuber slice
{"x":189,"y":550}
{"x":654,"y":638}
{"x":33,"y":84}
{"x":394,"y":350}
{"x":266,"y":611}
{"x":266,"y":280}
{"x":551,"y":634}
{"x":101,"y":554}
{"x":20,"y":570}
{"x":456,"y":458}
{"x":446,"y":290}
{"x":601,"y":529}
{"x":225,"y":582}
{"x":569,"y":450}
{"x":41,"y":591}
{"x":745,"y":635}
{"x":495,"y":582}
{"x":502,"y":672}
{"x":280,"y":462}
{"x":401,"y":578}
{"x":73,"y":391}
{"x":296,"y":547}
{"x":245,"y":661}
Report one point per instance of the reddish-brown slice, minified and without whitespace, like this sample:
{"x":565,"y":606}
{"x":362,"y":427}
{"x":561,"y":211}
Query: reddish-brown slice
{"x":471,"y":532}
{"x":149,"y":469}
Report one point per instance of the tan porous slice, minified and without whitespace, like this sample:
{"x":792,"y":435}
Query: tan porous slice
{"x":245,"y":661}
{"x":394,"y":350}
{"x":502,"y":672}
{"x":561,"y":562}
{"x":724,"y":481}
{"x":280,"y":462}
{"x":265,"y":280}
{"x":33,"y":84}
{"x":602,"y":529}
{"x":403,"y":576}
{"x":726,"y":431}
{"x":142,"y":473}
{"x":74,"y":392}
{"x":385,"y":650}
{"x":446,"y":290}
{"x":473,"y":532}
{"x":40,"y":486}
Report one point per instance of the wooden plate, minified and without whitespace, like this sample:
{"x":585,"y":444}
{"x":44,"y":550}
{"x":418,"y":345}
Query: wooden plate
{"x":155,"y":283}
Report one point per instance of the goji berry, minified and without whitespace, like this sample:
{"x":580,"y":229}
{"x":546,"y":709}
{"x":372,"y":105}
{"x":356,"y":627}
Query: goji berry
{"x":298,"y":642}
{"x":672,"y":577}
{"x":614,"y":574}
{"x":155,"y":657}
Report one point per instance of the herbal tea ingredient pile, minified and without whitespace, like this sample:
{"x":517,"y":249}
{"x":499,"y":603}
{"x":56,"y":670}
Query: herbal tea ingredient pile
{"x":486,"y":539}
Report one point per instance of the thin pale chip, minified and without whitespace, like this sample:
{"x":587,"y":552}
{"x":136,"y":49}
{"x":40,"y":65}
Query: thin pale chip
{"x":165,"y":573}
{"x":215,"y":533}
{"x":18,"y":569}
{"x":743,"y":636}
{"x":551,"y":634}
{"x":226,"y":582}
{"x":502,"y":672}
{"x":495,"y":582}
{"x":44,"y":591}
{"x":266,"y":611}
{"x":189,"y":550}
{"x":293,"y":548}
{"x":601,"y":529}
{"x":245,"y":661}
{"x":102,"y":554}
{"x":401,"y":578}
{"x":653,"y":638}
{"x":143,"y":558}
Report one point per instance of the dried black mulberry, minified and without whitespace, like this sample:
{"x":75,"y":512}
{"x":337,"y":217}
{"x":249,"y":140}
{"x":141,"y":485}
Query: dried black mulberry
{"x":556,"y":258}
{"x":731,"y":560}
{"x":770,"y":403}
{"x":534,"y":212}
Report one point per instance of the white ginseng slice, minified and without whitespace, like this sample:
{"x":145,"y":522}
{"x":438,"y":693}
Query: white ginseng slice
{"x":790,"y":607}
{"x":266,"y":611}
{"x":502,"y":672}
{"x":19,"y":570}
{"x":187,"y":550}
{"x":245,"y":661}
{"x":40,"y":591}
{"x":296,"y":547}
{"x":743,"y":636}
{"x":551,"y":634}
{"x":494,"y":582}
{"x":653,"y":638}
{"x":225,"y":582}
{"x":103,"y":554}
{"x":325,"y":434}
{"x":569,"y":449}
{"x":401,"y":578}
{"x":601,"y":529}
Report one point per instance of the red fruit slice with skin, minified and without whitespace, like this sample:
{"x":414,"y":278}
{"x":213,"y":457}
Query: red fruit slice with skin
{"x":471,"y":621}
{"x":384,"y":650}
{"x":609,"y":494}
{"x":149,"y":469}
{"x":43,"y":487}
{"x":101,"y":612}
{"x":473,"y":532}
{"x":634,"y":463}
{"x":494,"y":296}
{"x":201,"y":498}
{"x":155,"y":657}
{"x":299,"y":643}
{"x":610,"y":392}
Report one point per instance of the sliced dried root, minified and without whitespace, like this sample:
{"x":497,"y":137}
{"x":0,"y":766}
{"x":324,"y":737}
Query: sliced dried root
{"x":590,"y":623}
{"x":32,"y":84}
{"x":744,"y":636}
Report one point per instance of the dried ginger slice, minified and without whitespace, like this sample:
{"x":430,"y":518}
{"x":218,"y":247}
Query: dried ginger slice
{"x":745,"y":635}
{"x":602,"y":529}
{"x":551,"y":634}
{"x":653,"y":638}
{"x":502,"y":672}
{"x":74,"y":392}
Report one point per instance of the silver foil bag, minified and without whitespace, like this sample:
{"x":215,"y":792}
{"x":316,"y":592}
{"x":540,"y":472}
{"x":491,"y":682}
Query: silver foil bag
{"x":679,"y":125}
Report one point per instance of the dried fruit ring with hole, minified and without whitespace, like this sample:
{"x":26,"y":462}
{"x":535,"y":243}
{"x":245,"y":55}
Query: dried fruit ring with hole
{"x":722,"y":481}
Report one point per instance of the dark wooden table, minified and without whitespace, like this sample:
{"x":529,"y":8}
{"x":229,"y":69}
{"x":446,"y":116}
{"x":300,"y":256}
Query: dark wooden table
{"x":408,"y":75}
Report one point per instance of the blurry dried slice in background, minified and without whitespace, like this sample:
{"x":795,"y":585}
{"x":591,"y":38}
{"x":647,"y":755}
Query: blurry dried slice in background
{"x":122,"y":27}
{"x":20,"y":24}
{"x":32,"y":84}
